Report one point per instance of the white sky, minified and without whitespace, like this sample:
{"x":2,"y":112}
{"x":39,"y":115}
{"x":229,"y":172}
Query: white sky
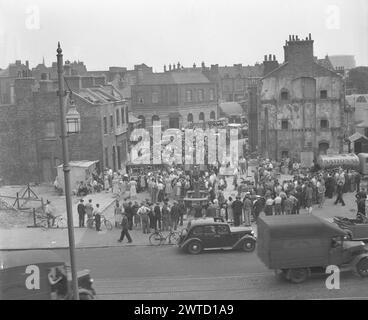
{"x":157,"y":32}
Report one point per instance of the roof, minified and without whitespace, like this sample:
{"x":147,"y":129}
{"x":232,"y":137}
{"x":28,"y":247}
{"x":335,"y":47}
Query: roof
{"x":300,"y":226}
{"x":356,"y":136}
{"x":10,"y":259}
{"x":133,"y":119}
{"x":172,"y":77}
{"x":325,"y":62}
{"x":231,"y":108}
{"x":81,"y":163}
{"x":242,"y":71}
{"x":354,"y":99}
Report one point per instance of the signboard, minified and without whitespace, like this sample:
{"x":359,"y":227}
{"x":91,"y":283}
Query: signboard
{"x":306,"y":159}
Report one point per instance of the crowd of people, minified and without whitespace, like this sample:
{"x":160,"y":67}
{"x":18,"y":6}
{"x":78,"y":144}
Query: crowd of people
{"x":170,"y":187}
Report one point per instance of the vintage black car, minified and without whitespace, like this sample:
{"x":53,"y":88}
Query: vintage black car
{"x":204,"y":234}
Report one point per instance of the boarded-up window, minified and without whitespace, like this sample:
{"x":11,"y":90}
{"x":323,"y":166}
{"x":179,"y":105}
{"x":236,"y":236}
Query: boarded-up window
{"x":50,"y":129}
{"x":323,"y":94}
{"x":324,"y":124}
{"x":284,"y":124}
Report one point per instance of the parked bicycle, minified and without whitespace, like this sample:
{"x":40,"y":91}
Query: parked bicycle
{"x":59,"y":222}
{"x":157,"y":238}
{"x":91,"y":223}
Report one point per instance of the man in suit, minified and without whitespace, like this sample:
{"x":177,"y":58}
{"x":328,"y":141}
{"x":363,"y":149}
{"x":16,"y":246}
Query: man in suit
{"x":81,"y":213}
{"x":125,"y":229}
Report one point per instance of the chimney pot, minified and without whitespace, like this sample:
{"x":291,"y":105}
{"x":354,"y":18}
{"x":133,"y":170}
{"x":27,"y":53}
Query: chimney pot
{"x":194,"y":65}
{"x":289,"y":37}
{"x":274,"y":58}
{"x":265,"y":57}
{"x":170,"y":66}
{"x":270,"y":57}
{"x":165,"y":67}
{"x":310,"y":36}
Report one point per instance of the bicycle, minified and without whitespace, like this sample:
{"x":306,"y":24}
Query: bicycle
{"x":59,"y":222}
{"x":157,"y":238}
{"x":91,"y":223}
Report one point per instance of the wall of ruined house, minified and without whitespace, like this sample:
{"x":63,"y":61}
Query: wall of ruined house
{"x":304,"y":111}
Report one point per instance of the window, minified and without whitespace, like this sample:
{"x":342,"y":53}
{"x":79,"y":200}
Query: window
{"x":209,"y":230}
{"x":212,"y":115}
{"x":223,"y":230}
{"x":50,"y":129}
{"x":197,"y":231}
{"x":106,"y":157}
{"x":117,"y":117}
{"x":111,"y":123}
{"x":140,"y":99}
{"x":155,"y":118}
{"x":324,"y":124}
{"x":154,"y":97}
{"x":284,"y":124}
{"x":201,"y":116}
{"x":105,"y":125}
{"x":122,"y":115}
{"x":361,"y":99}
{"x":190,"y":117}
{"x":188,"y":95}
{"x":284,"y":95}
{"x":323,"y":94}
{"x":200,"y":95}
{"x":212,"y":94}
{"x":366,"y":132}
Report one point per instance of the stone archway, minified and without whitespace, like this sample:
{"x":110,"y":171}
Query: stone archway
{"x":323,"y":146}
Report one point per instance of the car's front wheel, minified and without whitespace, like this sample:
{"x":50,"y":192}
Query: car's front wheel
{"x":248,"y":245}
{"x":195,"y":247}
{"x":362,"y":268}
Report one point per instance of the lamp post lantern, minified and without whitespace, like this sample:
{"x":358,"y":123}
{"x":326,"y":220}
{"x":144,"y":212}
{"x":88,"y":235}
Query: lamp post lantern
{"x":66,"y":169}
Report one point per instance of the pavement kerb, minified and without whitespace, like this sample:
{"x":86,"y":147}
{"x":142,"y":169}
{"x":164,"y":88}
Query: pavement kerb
{"x":87,"y":247}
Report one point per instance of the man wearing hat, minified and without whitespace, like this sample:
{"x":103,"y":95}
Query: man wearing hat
{"x":81,"y":213}
{"x":237,"y":211}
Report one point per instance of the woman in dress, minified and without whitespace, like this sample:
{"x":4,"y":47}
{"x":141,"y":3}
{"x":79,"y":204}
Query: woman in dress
{"x":133,"y":189}
{"x":118,"y":214}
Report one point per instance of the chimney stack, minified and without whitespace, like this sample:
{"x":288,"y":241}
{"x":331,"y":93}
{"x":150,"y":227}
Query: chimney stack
{"x":174,"y":66}
{"x":164,"y":67}
{"x":194,"y":65}
{"x":178,"y":67}
{"x":270,"y":64}
{"x":169,"y":66}
{"x":203,"y":65}
{"x":265,"y":57}
{"x":310,"y":36}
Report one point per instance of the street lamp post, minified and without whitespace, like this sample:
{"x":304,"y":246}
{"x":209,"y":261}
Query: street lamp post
{"x":66,"y":170}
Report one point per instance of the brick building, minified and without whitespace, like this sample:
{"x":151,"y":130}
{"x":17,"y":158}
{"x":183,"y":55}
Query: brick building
{"x":30,"y":128}
{"x":176,"y":97}
{"x":302,"y":106}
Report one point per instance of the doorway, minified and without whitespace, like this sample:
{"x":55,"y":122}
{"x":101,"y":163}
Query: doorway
{"x":323,"y":147}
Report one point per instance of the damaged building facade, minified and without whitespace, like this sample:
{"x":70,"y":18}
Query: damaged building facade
{"x":301,"y":112}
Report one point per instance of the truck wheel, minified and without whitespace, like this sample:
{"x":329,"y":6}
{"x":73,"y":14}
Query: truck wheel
{"x":362,"y":267}
{"x":248,"y":245}
{"x":195,"y":247}
{"x":298,"y":275}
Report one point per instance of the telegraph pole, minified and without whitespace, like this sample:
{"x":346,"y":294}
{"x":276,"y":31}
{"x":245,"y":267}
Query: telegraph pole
{"x":66,"y":169}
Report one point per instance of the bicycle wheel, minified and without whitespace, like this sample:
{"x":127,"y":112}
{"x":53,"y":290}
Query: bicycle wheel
{"x":60,"y":223}
{"x":156,"y":239}
{"x":108,"y":224}
{"x":174,"y":237}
